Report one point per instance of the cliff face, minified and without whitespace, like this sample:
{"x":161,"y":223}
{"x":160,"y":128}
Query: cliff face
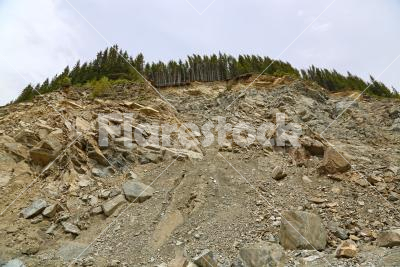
{"x":67,"y":198}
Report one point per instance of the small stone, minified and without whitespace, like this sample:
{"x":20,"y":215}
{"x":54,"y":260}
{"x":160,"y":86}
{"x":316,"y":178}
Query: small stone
{"x":278,"y":173}
{"x":374,"y":179}
{"x":111,"y":205}
{"x":338,"y":231}
{"x":132,"y":176}
{"x":347,"y":249}
{"x":393,"y":196}
{"x":34,"y":209}
{"x":354,"y":238}
{"x":316,"y":200}
{"x":306,"y":179}
{"x":137,"y":191}
{"x":104,"y":194}
{"x":362,"y":182}
{"x":71,"y":228}
{"x":51,"y":210}
{"x":51,"y":229}
{"x":37,"y":219}
{"x":205,"y":259}
{"x":96,"y":211}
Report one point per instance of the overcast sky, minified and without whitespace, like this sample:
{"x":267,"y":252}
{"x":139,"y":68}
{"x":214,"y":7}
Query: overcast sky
{"x":39,"y":38}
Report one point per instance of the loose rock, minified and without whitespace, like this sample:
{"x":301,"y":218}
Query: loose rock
{"x":137,"y":191}
{"x":111,"y":205}
{"x":347,"y":249}
{"x":263,"y":254}
{"x":34,"y":209}
{"x":302,"y":230}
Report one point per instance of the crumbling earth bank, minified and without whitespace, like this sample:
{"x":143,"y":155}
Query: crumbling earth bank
{"x":220,"y":205}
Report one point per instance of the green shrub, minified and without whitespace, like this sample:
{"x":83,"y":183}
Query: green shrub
{"x":101,"y":87}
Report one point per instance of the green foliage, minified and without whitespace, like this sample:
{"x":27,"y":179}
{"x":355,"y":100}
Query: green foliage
{"x":335,"y":82}
{"x":100,"y":87}
{"x":114,"y":66}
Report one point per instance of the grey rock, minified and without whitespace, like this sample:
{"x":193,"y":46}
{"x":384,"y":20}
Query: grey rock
{"x":393,"y":196}
{"x":51,"y":210}
{"x":137,"y":191}
{"x":111,"y":205}
{"x":96,"y":211}
{"x":71,"y":228}
{"x":389,"y":238}
{"x":51,"y":229}
{"x":96,"y":172}
{"x":205,"y":259}
{"x":14,"y":263}
{"x":302,"y":230}
{"x":150,"y":158}
{"x":132,"y":176}
{"x":262,"y":255}
{"x":34,"y":209}
{"x":339,"y":232}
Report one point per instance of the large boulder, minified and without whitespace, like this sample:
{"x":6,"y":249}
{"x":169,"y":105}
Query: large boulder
{"x":46,"y":151}
{"x":389,"y":238}
{"x":262,"y":255}
{"x":137,"y":191}
{"x":302,"y":230}
{"x":334,"y":162}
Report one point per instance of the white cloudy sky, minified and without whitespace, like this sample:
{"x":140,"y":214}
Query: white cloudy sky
{"x":39,"y":38}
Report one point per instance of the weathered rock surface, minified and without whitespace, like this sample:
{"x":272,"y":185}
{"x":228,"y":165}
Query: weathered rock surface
{"x":137,"y":191}
{"x":205,"y":259}
{"x":34,"y":209}
{"x":333,"y":162}
{"x":111,"y":205}
{"x":347,"y":249}
{"x":262,"y":255}
{"x":302,"y":230}
{"x":71,"y":228}
{"x":389,"y":238}
{"x":278,"y":173}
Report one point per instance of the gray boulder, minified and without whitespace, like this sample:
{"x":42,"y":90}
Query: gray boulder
{"x":389,"y":238}
{"x":262,"y":255}
{"x":111,"y":205}
{"x":34,"y":209}
{"x":302,"y":230}
{"x":137,"y":191}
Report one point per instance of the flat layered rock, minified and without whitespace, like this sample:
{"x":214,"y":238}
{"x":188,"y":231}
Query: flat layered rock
{"x":263,"y":254}
{"x":389,"y":238}
{"x":302,"y":230}
{"x":137,"y":191}
{"x":71,"y":228}
{"x":111,"y":205}
{"x":34,"y":209}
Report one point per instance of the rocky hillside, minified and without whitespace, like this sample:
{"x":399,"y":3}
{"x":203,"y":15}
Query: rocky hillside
{"x":67,"y":201}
